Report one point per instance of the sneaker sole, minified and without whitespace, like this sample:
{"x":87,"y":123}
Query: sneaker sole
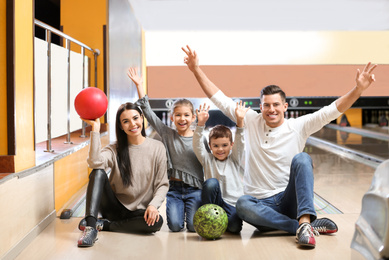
{"x":306,"y":245}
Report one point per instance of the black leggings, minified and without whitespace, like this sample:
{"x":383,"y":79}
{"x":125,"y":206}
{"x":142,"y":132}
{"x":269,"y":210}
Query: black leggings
{"x":101,"y":198}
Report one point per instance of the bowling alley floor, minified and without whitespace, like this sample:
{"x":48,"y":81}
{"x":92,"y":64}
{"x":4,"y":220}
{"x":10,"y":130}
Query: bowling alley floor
{"x":339,"y":181}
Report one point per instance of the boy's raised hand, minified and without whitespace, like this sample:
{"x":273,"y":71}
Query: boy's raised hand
{"x":202,"y":115}
{"x":240,"y":113}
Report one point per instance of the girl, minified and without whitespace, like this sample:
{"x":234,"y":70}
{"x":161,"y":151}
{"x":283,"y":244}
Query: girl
{"x":130,"y":197}
{"x":184,"y":170}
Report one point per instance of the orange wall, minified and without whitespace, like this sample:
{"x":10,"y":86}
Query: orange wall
{"x":3,"y":81}
{"x":71,"y":173}
{"x":84,"y":20}
{"x":25,"y":154}
{"x":247,"y":81}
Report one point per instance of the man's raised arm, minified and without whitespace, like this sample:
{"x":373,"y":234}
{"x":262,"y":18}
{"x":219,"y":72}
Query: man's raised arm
{"x":363,"y":80}
{"x":192,"y":61}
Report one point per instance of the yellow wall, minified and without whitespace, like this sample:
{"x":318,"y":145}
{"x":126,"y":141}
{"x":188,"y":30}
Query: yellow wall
{"x":84,"y":20}
{"x":3,"y":81}
{"x":71,"y":173}
{"x":25,"y":154}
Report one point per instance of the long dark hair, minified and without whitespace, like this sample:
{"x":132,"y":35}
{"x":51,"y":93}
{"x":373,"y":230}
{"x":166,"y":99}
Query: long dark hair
{"x":123,"y":157}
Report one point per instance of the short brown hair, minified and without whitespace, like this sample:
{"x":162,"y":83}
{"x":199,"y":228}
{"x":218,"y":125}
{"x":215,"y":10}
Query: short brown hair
{"x":271,"y":90}
{"x":220,"y":131}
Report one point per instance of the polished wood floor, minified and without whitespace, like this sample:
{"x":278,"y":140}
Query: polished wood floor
{"x":341,"y":182}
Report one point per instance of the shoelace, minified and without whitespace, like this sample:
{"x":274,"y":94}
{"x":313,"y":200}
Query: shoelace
{"x":311,"y":231}
{"x":320,"y":229}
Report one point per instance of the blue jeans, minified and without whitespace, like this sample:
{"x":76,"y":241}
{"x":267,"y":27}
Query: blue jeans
{"x":182,"y":202}
{"x":211,"y":194}
{"x":283,"y":210}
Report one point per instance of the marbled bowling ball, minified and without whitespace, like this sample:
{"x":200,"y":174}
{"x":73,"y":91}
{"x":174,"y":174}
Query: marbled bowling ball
{"x":210,"y":221}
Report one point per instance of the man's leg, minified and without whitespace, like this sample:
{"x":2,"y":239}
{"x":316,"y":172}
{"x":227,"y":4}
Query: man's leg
{"x":264,"y":213}
{"x":297,"y":200}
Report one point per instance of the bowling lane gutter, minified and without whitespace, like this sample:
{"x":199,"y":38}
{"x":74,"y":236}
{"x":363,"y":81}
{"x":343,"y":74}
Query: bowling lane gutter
{"x":355,"y":155}
{"x":362,"y":132}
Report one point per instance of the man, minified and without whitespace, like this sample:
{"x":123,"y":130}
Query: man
{"x":278,"y":180}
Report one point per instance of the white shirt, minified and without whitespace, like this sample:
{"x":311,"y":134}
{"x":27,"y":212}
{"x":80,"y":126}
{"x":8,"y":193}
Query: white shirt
{"x":269,"y":151}
{"x":229,"y":172}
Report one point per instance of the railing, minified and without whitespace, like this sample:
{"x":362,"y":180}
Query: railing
{"x":48,"y":31}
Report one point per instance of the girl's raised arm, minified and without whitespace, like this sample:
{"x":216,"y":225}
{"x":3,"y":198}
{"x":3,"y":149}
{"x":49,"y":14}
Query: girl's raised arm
{"x":137,"y":79}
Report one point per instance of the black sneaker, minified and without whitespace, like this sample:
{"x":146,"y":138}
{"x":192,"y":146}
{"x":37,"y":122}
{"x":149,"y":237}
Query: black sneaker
{"x":324,"y":226}
{"x":99,"y":224}
{"x":305,"y":235}
{"x":88,"y":238}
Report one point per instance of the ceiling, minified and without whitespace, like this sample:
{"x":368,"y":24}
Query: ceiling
{"x":313,"y":15}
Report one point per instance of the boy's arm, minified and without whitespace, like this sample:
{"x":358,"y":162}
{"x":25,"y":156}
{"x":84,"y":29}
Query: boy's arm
{"x":198,"y":145}
{"x":238,"y":149}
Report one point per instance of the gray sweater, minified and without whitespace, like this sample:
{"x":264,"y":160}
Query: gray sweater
{"x":182,"y":161}
{"x":148,"y":164}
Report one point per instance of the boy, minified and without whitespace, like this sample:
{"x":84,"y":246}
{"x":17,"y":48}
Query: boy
{"x":223,"y":172}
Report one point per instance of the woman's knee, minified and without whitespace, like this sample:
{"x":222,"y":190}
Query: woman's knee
{"x":157,"y":225}
{"x":97,"y":174}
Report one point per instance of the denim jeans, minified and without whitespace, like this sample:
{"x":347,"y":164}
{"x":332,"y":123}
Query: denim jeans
{"x":182,"y":202}
{"x":283,"y":210}
{"x":211,"y":194}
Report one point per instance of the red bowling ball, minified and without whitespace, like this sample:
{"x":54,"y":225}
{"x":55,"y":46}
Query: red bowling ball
{"x":91,"y":103}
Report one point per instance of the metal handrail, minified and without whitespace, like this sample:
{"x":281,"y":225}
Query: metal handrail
{"x":59,"y":33}
{"x":49,"y":29}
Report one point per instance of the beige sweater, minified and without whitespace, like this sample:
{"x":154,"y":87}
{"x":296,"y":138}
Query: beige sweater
{"x":149,"y":175}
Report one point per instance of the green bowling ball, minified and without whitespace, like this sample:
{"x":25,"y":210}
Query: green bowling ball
{"x":210,"y":221}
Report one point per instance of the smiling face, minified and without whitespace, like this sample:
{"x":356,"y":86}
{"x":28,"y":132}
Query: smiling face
{"x":273,"y":109}
{"x":183,"y":117}
{"x":220,"y":147}
{"x":131,"y":123}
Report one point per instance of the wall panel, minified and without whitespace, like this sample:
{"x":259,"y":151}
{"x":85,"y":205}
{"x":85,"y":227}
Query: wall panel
{"x":25,"y":202}
{"x":247,"y":81}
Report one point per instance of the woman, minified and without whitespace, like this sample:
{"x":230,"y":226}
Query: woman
{"x":128,"y":199}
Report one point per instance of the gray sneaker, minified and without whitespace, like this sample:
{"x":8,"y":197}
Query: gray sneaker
{"x":88,"y":237}
{"x":305,"y":235}
{"x":324,"y":226}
